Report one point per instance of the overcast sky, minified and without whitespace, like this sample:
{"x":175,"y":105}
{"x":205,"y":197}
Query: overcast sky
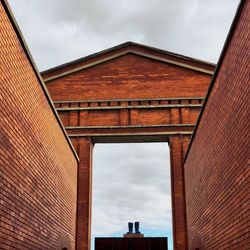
{"x":126,"y":184}
{"x":131,"y":183}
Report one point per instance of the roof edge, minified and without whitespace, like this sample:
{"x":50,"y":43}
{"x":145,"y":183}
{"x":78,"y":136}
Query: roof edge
{"x":121,"y":46}
{"x":125,"y":52}
{"x":217,"y":69}
{"x":33,"y":65}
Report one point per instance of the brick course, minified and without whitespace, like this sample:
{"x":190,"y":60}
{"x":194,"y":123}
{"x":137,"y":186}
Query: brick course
{"x":217,"y":165}
{"x":38,"y":169}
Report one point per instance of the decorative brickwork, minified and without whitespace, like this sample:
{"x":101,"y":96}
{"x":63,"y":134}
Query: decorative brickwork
{"x":217,"y":166}
{"x":38,"y":169}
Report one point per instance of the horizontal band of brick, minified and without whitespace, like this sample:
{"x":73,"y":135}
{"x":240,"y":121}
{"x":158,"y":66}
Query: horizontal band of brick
{"x":130,"y":138}
{"x":131,"y":134}
{"x":132,"y":107}
{"x":133,"y":100}
{"x":131,"y":129}
{"x":130,"y":126}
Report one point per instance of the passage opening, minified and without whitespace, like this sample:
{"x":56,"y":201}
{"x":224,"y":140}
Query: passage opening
{"x":131,"y":182}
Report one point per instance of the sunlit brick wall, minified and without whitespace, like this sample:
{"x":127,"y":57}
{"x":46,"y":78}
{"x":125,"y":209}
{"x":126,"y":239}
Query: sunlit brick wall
{"x":38,"y":170}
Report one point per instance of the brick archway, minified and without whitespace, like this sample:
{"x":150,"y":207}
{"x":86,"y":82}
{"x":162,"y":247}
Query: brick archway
{"x":129,"y":93}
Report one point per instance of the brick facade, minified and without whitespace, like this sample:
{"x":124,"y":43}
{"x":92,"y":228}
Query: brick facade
{"x":38,"y":167}
{"x":217,"y":165}
{"x":130,"y":93}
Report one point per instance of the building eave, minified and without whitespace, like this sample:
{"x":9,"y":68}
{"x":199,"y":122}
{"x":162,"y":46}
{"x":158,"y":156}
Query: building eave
{"x":125,"y":48}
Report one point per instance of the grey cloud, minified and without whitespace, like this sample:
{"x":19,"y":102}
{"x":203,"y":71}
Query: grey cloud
{"x":59,"y":31}
{"x":132,"y":185}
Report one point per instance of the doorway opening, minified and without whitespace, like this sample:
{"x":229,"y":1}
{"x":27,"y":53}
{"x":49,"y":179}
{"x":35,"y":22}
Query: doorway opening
{"x":131,"y":182}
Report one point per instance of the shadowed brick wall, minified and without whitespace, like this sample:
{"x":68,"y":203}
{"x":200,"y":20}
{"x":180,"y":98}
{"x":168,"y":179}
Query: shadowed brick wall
{"x":217,"y":166}
{"x":38,"y":169}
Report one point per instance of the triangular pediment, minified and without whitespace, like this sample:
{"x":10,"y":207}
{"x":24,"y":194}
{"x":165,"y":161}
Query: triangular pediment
{"x":125,"y":49}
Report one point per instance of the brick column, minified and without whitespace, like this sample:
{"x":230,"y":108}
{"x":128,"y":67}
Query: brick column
{"x":178,"y":191}
{"x":84,"y":194}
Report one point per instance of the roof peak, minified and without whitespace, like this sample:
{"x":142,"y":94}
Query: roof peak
{"x":122,"y":46}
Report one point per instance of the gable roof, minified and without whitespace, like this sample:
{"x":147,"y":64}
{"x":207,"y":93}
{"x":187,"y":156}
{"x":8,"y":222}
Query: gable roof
{"x":123,"y":49}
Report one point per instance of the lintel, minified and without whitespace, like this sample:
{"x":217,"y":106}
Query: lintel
{"x":130,"y":138}
{"x":129,"y":126}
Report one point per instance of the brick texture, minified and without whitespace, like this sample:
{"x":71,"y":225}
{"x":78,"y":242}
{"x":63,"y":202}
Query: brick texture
{"x":217,"y":165}
{"x":84,"y":208}
{"x":38,"y":170}
{"x":129,"y":76}
{"x":177,"y":152}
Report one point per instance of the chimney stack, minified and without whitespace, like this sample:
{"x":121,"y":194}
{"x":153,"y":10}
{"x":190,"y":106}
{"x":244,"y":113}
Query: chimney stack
{"x":130,"y":233}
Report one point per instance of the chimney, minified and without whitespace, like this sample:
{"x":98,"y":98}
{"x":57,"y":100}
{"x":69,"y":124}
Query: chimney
{"x":130,"y":233}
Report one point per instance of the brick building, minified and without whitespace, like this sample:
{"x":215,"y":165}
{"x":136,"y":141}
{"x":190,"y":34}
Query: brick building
{"x":128,"y":93}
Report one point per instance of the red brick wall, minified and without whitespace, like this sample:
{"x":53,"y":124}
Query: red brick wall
{"x":217,"y":166}
{"x":129,"y":76}
{"x":38,"y":170}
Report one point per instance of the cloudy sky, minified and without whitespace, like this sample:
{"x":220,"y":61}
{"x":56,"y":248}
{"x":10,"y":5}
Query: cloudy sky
{"x":130,"y":181}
